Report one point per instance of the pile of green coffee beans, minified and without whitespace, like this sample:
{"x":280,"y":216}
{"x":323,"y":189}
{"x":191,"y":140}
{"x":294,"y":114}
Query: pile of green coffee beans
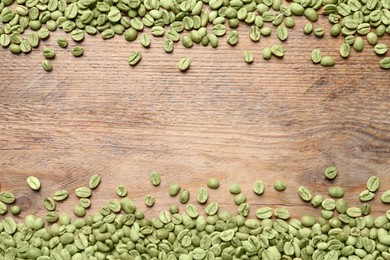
{"x":121,"y":231}
{"x":191,"y":22}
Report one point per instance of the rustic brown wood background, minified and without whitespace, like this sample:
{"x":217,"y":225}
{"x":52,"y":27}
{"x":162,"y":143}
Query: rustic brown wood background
{"x":283,"y":119}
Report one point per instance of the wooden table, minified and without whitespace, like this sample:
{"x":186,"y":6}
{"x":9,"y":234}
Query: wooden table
{"x":283,"y":119}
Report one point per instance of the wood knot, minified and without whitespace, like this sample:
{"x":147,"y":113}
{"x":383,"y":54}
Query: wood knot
{"x":24,"y":202}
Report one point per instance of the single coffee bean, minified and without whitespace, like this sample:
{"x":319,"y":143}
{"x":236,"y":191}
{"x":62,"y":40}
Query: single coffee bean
{"x":3,"y":208}
{"x":15,"y":210}
{"x":354,"y":212}
{"x":184,"y":196}
{"x":345,"y":50}
{"x":174,"y":189}
{"x":212,"y":209}
{"x":149,"y":200}
{"x":51,"y":217}
{"x":267,"y":53}
{"x":239,"y":199}
{"x":380,"y":49}
{"x":83,"y":192}
{"x":46,"y":64}
{"x":155,"y":178}
{"x":94,"y":181}
{"x":280,"y":185}
{"x":366,"y":195}
{"x":373,"y":183}
{"x":317,"y":200}
{"x":49,"y":53}
{"x":248,"y":56}
{"x":358,"y":45}
{"x":331,"y":172}
{"x":304,"y":193}
{"x":33,"y":183}
{"x":213,"y":183}
{"x":202,"y":195}
{"x":264,"y":213}
{"x":7,"y":197}
{"x":134,"y":58}
{"x":62,"y":42}
{"x":184,"y":64}
{"x":258,"y":187}
{"x":121,"y":190}
{"x":235,"y":189}
{"x":386,"y":197}
{"x":282,"y":213}
{"x":79,"y":211}
{"x":385,"y":63}
{"x":49,"y":203}
{"x":277,"y":50}
{"x":243,"y":209}
{"x":336,"y":191}
{"x":77,"y":51}
{"x":85,"y":203}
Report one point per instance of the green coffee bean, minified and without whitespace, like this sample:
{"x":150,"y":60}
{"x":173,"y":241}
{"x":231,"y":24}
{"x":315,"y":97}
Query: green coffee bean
{"x":280,"y":185}
{"x":336,"y":191}
{"x":15,"y":210}
{"x":33,"y":183}
{"x":366,"y":195}
{"x":77,"y":51}
{"x":174,"y":189}
{"x":304,"y":193}
{"x":372,"y":38}
{"x":51,"y":216}
{"x":258,"y":187}
{"x":94,"y":181}
{"x":232,"y":38}
{"x":282,"y":213}
{"x":77,"y":35}
{"x":130,"y":34}
{"x":168,"y":45}
{"x":327,"y":61}
{"x":25,"y":46}
{"x":145,"y":40}
{"x":297,"y":9}
{"x":380,"y":49}
{"x":7,"y":197}
{"x":192,"y":211}
{"x":9,"y":226}
{"x":157,"y":31}
{"x":345,"y":50}
{"x":121,"y":191}
{"x":386,"y":197}
{"x":311,"y":14}
{"x":212,"y":209}
{"x":243,"y":209}
{"x":219,"y":30}
{"x":235,"y":189}
{"x":358,"y":45}
{"x":267,"y":53}
{"x":331,"y":172}
{"x":239,"y":199}
{"x":134,"y":58}
{"x":385,"y":63}
{"x":5,"y":40}
{"x":83,"y":192}
{"x":264,"y":213}
{"x":46,"y":65}
{"x":328,"y":204}
{"x":85,"y":203}
{"x":319,"y":32}
{"x":49,"y":203}
{"x":316,"y":56}
{"x":317,"y":200}
{"x":213,"y":183}
{"x":282,"y":33}
{"x":277,"y":50}
{"x":265,"y":31}
{"x":155,"y":178}
{"x":289,"y":22}
{"x":354,"y":212}
{"x":366,"y":209}
{"x":184,"y":64}
{"x":174,"y":209}
{"x":114,"y":205}
{"x":248,"y":56}
{"x":202,"y":195}
{"x":308,"y":220}
{"x":3,"y":208}
{"x":79,"y":211}
{"x":49,"y":53}
{"x":149,"y":200}
{"x":62,"y":42}
{"x":255,"y":33}
{"x":184,"y":196}
{"x":308,"y":28}
{"x":341,"y":206}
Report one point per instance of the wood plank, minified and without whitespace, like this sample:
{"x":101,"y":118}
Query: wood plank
{"x":284,"y":119}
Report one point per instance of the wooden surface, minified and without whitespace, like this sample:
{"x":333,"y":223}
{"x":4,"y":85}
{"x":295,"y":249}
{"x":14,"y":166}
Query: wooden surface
{"x":283,"y":119}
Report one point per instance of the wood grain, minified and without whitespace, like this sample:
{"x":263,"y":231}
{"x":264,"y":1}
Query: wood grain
{"x":283,"y":119}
